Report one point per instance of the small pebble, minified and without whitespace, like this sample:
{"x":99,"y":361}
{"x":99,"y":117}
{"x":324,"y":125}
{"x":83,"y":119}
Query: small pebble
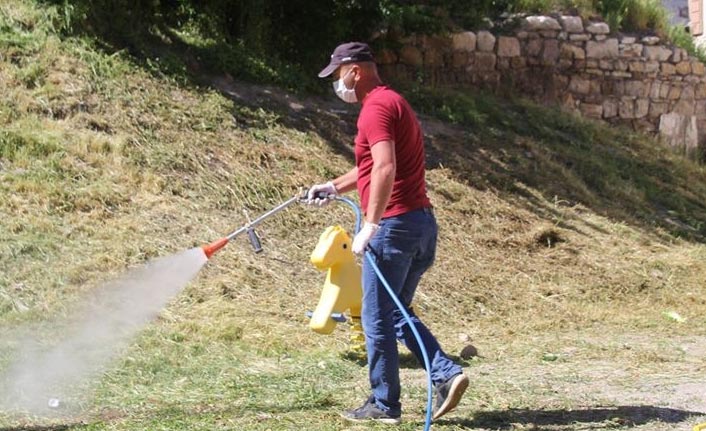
{"x":53,"y":403}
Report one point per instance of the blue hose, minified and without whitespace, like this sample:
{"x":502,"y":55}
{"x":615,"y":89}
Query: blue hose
{"x":400,"y":306}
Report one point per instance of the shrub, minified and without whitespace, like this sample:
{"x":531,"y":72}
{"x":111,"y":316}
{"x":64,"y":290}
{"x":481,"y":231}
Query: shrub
{"x":638,"y":15}
{"x":681,"y":37}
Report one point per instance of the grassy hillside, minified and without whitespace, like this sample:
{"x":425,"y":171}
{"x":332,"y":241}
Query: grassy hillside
{"x":562,"y":243}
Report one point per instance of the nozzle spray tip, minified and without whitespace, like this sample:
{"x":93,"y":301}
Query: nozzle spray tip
{"x":213,"y":247}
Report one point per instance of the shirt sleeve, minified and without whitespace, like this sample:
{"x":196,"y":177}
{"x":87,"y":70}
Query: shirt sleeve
{"x":378,"y":123}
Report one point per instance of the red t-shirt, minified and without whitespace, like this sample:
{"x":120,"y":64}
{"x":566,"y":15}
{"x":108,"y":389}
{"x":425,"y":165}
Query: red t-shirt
{"x":386,"y":116}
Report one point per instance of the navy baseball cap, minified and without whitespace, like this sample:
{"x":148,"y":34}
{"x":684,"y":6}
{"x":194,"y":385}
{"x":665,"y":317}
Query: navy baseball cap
{"x":351,"y":52}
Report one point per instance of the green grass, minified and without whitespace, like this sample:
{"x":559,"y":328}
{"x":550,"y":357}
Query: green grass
{"x":558,"y":236}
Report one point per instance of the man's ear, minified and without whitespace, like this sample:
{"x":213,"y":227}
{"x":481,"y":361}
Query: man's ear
{"x":358,"y":72}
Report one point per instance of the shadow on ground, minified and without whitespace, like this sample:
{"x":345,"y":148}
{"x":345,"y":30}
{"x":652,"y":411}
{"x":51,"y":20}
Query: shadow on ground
{"x":537,"y":158}
{"x":407,"y":360}
{"x":598,"y":417}
{"x":540,"y":159}
{"x":41,"y":427}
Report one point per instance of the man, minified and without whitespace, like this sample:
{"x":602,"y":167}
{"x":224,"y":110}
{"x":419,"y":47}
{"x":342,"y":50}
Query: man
{"x":399,"y":230}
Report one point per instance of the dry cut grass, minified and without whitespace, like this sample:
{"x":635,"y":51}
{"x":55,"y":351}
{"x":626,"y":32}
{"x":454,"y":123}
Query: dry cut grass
{"x":553,"y":229}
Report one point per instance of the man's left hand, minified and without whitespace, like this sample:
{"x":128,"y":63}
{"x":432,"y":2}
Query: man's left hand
{"x":362,"y":238}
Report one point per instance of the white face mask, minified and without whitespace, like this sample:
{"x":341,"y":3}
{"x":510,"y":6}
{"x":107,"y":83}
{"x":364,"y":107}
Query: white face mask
{"x":344,"y":93}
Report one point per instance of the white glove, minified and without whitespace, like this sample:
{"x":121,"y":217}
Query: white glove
{"x":362,"y":238}
{"x":327,"y":189}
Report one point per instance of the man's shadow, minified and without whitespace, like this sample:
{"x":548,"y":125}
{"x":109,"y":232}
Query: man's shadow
{"x":619,"y":416}
{"x":407,"y":360}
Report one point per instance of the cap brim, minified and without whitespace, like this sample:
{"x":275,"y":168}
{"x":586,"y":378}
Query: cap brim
{"x":328,"y":70}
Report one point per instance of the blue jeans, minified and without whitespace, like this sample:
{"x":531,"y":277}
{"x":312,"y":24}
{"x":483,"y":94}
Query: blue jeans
{"x":403,"y":248}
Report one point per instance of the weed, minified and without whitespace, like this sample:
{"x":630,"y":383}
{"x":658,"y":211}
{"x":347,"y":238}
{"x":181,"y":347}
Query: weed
{"x":642,"y":15}
{"x":16,"y":146}
{"x":681,"y":37}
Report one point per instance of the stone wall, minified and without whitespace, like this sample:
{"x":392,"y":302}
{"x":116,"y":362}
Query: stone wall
{"x":580,"y":65}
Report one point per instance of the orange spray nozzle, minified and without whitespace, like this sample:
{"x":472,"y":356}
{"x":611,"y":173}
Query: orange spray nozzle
{"x":210,"y":249}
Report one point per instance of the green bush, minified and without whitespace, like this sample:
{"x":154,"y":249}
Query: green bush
{"x":681,"y":37}
{"x":636,"y":15}
{"x":294,"y":31}
{"x":433,"y":16}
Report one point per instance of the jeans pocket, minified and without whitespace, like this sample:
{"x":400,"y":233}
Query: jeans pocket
{"x":399,"y":244}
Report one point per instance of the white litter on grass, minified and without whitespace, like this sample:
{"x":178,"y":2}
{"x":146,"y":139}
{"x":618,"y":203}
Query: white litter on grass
{"x":673,"y":315}
{"x":100,"y":326}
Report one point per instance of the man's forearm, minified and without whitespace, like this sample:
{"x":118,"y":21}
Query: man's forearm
{"x":347,"y":181}
{"x":382,"y":179}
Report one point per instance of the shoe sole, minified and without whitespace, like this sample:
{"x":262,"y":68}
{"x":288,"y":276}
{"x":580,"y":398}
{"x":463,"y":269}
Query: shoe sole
{"x":458,"y":387}
{"x":386,"y":421}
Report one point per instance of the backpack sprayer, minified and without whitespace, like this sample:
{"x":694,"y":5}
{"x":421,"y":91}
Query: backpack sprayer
{"x":249,"y":229}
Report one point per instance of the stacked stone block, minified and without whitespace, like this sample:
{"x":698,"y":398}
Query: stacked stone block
{"x":625,"y":79}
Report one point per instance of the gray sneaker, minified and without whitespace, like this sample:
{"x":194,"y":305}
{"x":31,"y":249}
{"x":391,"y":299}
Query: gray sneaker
{"x":448,"y":394}
{"x":370,"y":412}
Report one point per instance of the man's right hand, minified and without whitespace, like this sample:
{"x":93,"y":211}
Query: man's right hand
{"x":321,"y":194}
